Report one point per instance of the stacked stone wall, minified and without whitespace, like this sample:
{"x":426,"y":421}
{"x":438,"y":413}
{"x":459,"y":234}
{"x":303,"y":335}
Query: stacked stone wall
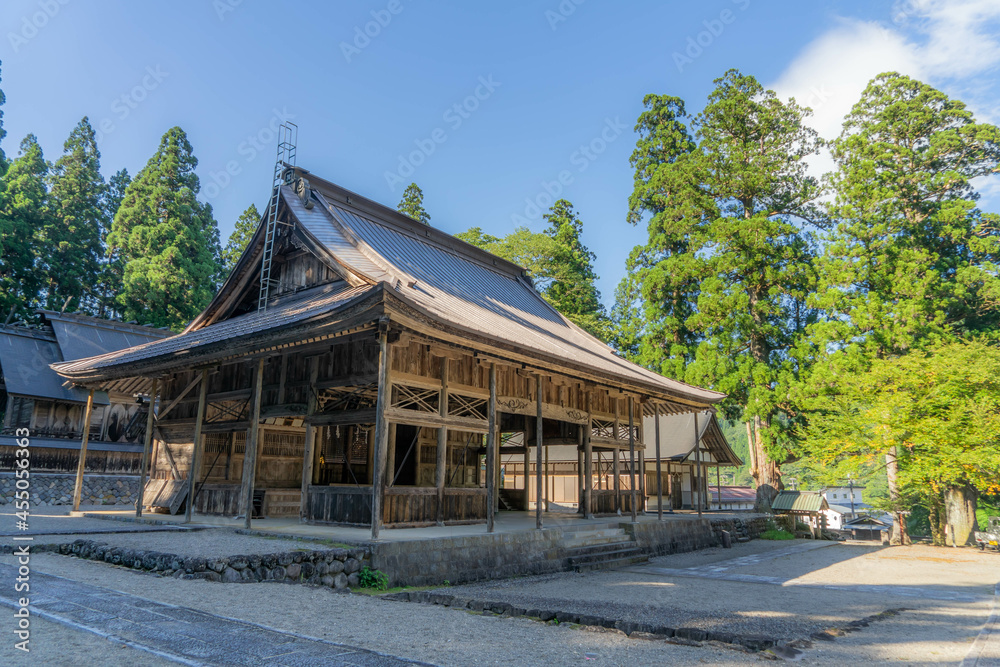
{"x":57,"y":489}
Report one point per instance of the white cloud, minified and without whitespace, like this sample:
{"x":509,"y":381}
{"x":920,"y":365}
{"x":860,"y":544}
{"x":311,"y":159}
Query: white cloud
{"x":943,"y":42}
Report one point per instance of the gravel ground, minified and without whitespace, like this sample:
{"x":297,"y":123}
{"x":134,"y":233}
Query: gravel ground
{"x":57,"y":645}
{"x":434,"y":634}
{"x":210,"y":543}
{"x":53,"y":520}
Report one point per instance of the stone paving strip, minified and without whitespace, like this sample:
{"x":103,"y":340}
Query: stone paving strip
{"x":185,"y":635}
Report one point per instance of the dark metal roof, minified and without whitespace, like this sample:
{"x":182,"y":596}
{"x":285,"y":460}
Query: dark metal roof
{"x":799,"y":501}
{"x":80,"y":336}
{"x":25,"y":355}
{"x":285,"y":312}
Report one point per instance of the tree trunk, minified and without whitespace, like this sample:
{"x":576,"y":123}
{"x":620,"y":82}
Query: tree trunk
{"x":960,"y":511}
{"x":899,"y":536}
{"x":935,"y":518}
{"x":766,"y":473}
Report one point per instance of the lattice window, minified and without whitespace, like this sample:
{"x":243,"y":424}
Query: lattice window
{"x":223,"y":411}
{"x":428,"y":454}
{"x":239,"y":442}
{"x":347,"y":398}
{"x":217,"y":443}
{"x":603,"y":429}
{"x":415,"y":398}
{"x":278,"y":443}
{"x":467,"y":406}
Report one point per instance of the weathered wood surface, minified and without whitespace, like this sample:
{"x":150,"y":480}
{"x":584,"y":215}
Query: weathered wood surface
{"x":341,"y":504}
{"x":223,"y":499}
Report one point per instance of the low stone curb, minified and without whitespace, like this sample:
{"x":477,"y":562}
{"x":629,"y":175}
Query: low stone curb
{"x":688,"y":636}
{"x":331,"y":568}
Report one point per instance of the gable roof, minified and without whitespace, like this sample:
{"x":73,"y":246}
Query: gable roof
{"x":799,"y":501}
{"x":431,"y":281}
{"x":677,"y":438}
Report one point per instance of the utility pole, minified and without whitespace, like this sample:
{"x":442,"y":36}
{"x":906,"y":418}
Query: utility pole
{"x":850,"y":484}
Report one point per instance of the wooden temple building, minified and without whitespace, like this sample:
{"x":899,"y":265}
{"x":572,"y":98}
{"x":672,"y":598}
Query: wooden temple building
{"x":359,"y":367}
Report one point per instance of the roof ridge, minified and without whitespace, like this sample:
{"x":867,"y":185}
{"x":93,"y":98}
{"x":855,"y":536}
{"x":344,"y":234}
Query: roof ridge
{"x":388,"y":217}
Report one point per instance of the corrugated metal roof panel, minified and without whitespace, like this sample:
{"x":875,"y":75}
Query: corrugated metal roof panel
{"x":799,"y":501}
{"x":78,"y":340}
{"x":294,"y":309}
{"x":25,"y":359}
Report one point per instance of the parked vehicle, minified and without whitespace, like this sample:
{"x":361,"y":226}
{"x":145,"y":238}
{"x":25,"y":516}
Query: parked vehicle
{"x":991,"y":536}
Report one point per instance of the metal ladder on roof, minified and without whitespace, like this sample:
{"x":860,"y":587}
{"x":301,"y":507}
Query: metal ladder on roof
{"x":288,"y":135}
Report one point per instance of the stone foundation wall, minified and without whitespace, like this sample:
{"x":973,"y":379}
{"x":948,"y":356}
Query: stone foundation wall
{"x":672,"y":537}
{"x":334,"y":568}
{"x":472,"y":558}
{"x":743,"y":528}
{"x":57,"y":489}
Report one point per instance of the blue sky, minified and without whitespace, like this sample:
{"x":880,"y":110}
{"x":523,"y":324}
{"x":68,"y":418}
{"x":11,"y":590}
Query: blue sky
{"x":543,"y":88}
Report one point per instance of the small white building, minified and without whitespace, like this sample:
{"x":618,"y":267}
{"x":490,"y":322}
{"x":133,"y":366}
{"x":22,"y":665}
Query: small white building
{"x":845,"y":503}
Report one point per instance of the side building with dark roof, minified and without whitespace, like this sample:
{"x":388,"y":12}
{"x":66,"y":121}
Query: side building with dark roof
{"x":382,"y":369}
{"x":36,"y":398}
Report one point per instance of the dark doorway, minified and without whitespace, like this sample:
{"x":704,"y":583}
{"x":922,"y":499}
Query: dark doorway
{"x":406,"y":455}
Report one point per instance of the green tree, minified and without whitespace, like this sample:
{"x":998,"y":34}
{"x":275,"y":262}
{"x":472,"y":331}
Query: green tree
{"x":246,"y":225}
{"x":572,"y":289}
{"x":412,"y":204}
{"x":530,"y":250}
{"x":167,"y":239}
{"x":112,"y":266}
{"x":25,"y":213}
{"x":3,"y":133}
{"x":728,"y":264}
{"x":71,"y":244}
{"x":938,"y":412}
{"x":660,"y":288}
{"x":911,"y":261}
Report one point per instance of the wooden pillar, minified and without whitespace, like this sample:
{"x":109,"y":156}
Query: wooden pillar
{"x":616,"y":463}
{"x":381,"y":427}
{"x":718,"y":485}
{"x":390,"y":456}
{"x":588,"y":465}
{"x":659,"y":464}
{"x":308,"y":454}
{"x":441,"y":463}
{"x":642,"y":481}
{"x":78,"y":488}
{"x":491,"y":452}
{"x":697,"y":461}
{"x":147,"y":445}
{"x":538,"y":451}
{"x":580,"y":509}
{"x":631,"y":463}
{"x":196,"y":446}
{"x":250,"y":450}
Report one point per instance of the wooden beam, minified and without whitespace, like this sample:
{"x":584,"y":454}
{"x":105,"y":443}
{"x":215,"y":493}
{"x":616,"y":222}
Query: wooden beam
{"x":616,"y":463}
{"x":282,"y":377}
{"x":538,"y":455}
{"x":434,"y":420}
{"x":381,"y":426}
{"x":659,"y":465}
{"x":78,"y":488}
{"x":310,"y":442}
{"x":491,"y":451}
{"x":146,"y":446}
{"x":364,"y":416}
{"x":697,"y":461}
{"x":250,"y":450}
{"x":196,"y":447}
{"x":441,"y":460}
{"x":165,"y":411}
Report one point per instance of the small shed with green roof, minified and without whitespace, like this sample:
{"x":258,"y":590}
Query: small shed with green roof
{"x":805,"y":506}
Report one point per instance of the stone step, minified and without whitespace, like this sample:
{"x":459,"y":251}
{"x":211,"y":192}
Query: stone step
{"x":597,"y":538}
{"x":597,"y":550}
{"x":624,"y":555}
{"x":624,"y":561}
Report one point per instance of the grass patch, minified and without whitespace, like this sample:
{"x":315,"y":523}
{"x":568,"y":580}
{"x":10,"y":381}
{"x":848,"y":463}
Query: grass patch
{"x":395,"y":589}
{"x":776,"y":534}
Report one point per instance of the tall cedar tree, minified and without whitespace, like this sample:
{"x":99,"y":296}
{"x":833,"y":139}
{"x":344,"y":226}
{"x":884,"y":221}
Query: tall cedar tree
{"x":168,"y":240}
{"x":24,"y":215}
{"x":912,"y":261}
{"x":246,"y":225}
{"x":412,"y":204}
{"x":112,"y":266}
{"x":3,"y":133}
{"x":660,"y":288}
{"x":731,"y":215}
{"x":71,"y":245}
{"x":573,"y":290}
